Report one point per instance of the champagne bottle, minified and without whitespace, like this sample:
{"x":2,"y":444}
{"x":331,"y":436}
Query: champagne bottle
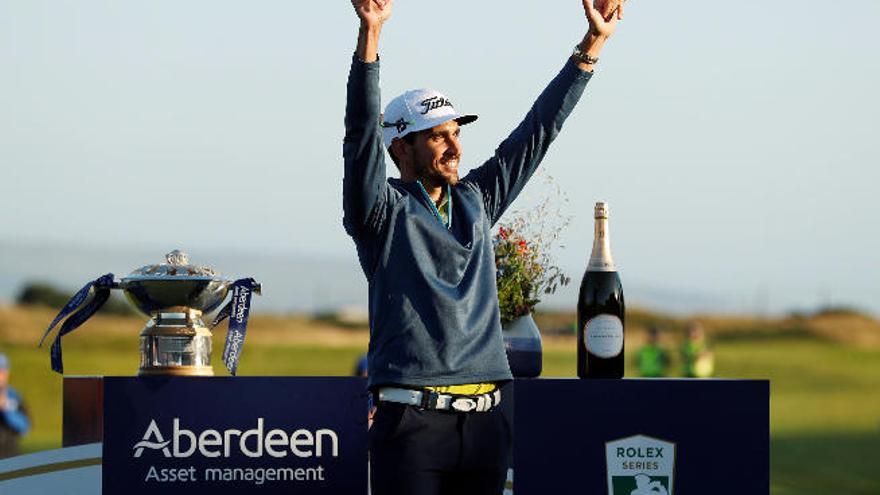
{"x":600,"y":309}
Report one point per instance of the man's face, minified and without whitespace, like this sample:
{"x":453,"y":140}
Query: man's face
{"x":435,"y":154}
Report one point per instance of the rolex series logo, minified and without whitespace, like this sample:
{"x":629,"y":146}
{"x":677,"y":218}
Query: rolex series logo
{"x":640,"y":465}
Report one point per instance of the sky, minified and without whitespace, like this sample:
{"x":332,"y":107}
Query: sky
{"x":734,"y":141}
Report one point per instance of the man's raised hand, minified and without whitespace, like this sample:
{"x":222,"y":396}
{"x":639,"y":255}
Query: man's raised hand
{"x":603,"y":16}
{"x":373,"y":13}
{"x":608,"y":7}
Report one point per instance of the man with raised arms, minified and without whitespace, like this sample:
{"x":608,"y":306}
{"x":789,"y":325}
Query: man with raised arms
{"x":436,"y":356}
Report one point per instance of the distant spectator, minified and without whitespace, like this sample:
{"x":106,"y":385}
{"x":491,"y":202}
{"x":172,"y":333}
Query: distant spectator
{"x":653,"y":360}
{"x":360,"y":366}
{"x":14,"y":422}
{"x":696,"y":357}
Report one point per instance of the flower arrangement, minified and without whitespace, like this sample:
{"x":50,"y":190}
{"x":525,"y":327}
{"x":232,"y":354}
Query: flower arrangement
{"x":525,"y":269}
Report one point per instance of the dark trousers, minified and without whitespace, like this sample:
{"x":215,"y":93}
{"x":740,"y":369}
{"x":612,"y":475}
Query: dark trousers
{"x":421,"y":452}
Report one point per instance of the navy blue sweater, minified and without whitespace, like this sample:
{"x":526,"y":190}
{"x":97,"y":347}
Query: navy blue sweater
{"x":433,"y":303}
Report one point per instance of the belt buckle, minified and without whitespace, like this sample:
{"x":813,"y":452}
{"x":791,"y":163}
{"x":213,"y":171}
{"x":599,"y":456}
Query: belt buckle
{"x":429,"y":399}
{"x":463,"y":404}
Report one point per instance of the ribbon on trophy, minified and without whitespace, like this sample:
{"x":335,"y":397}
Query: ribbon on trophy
{"x":237,"y":311}
{"x":82,"y":309}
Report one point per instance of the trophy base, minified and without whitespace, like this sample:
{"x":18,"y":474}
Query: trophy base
{"x":176,"y":344}
{"x":177,"y":371}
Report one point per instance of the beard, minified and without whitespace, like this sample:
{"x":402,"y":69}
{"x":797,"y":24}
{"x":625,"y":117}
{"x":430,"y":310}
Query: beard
{"x":438,"y":175}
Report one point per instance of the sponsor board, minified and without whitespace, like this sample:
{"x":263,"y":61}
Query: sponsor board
{"x":640,"y":465}
{"x":714,"y":431}
{"x":234,"y":435}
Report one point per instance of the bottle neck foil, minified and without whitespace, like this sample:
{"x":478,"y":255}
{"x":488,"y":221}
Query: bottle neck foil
{"x":600,"y":258}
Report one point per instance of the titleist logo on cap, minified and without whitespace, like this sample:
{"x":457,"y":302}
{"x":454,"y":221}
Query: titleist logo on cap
{"x":434,"y":103}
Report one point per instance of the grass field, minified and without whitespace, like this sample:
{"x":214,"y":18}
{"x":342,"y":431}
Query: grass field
{"x":824,"y":372}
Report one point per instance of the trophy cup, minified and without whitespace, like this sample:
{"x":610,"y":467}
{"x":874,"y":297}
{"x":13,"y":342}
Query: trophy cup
{"x":175,"y":295}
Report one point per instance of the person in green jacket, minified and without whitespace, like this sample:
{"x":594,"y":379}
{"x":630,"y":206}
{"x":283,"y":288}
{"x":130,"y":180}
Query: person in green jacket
{"x":697,"y":359}
{"x":653,"y":361}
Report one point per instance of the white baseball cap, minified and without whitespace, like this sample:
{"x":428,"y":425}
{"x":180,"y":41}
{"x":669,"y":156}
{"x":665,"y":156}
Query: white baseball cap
{"x":417,"y":110}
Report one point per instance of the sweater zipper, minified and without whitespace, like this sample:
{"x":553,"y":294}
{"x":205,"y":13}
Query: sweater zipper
{"x":434,"y":206}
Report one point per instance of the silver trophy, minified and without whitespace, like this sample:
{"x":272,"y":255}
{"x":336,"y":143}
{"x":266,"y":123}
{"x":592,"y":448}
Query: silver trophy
{"x":175,"y":295}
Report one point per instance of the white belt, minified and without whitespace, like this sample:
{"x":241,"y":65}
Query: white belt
{"x":428,"y":399}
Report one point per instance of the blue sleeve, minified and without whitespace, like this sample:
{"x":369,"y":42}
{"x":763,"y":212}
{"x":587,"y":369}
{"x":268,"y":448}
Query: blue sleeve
{"x":504,"y":175}
{"x":16,"y":417}
{"x":364,"y":185}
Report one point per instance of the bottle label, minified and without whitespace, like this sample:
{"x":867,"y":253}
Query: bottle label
{"x":603,"y":336}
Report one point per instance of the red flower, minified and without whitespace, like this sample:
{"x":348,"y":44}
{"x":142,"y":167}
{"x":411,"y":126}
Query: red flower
{"x":523,"y":247}
{"x":502,"y":233}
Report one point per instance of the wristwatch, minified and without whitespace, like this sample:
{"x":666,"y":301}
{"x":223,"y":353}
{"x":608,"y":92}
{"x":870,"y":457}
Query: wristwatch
{"x":584,"y":56}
